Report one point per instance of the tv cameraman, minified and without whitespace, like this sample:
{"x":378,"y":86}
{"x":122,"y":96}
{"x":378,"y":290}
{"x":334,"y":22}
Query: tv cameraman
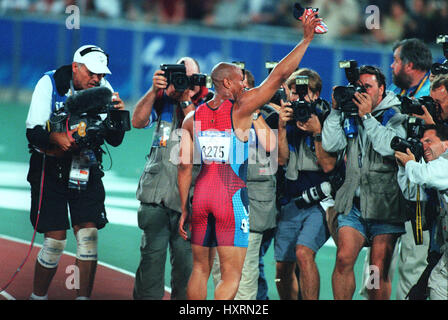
{"x":369,"y":201}
{"x":301,"y":228}
{"x":158,"y":215}
{"x":433,"y":173}
{"x":52,"y":157}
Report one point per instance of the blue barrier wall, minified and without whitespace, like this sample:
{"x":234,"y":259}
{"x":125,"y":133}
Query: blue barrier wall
{"x":30,"y":46}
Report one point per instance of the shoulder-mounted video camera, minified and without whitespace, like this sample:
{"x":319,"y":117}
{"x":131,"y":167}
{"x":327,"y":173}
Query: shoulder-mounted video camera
{"x":92,"y":112}
{"x":344,"y":95}
{"x":441,"y":68}
{"x":176,"y":74}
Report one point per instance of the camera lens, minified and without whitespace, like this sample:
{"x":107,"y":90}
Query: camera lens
{"x":180,"y":81}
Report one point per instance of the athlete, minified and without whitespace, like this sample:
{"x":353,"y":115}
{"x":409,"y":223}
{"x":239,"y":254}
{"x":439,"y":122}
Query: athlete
{"x":220,"y":128}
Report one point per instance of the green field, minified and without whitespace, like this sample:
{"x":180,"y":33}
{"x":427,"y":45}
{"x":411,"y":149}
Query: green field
{"x":119,"y":241}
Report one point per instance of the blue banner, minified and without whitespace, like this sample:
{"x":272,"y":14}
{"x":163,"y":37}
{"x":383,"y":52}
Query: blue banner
{"x":36,"y":46}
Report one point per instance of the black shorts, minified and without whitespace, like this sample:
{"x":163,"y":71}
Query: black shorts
{"x":57,"y":198}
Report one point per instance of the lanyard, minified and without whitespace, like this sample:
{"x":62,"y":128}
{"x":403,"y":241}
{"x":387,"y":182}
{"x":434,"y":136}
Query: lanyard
{"x":420,"y":85}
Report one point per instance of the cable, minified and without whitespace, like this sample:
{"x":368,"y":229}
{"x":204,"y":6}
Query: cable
{"x":42,"y":177}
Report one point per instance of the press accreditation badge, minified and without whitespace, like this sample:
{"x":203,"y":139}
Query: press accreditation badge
{"x":79,"y":174}
{"x":215,"y":145}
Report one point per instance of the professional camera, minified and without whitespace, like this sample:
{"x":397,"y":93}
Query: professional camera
{"x":92,"y":112}
{"x":322,"y":191}
{"x":279,"y":95}
{"x":441,"y":68}
{"x":302,"y":109}
{"x":414,"y":106}
{"x":344,"y":95}
{"x":415,"y":127}
{"x":313,"y":195}
{"x":176,"y":74}
{"x":414,"y":145}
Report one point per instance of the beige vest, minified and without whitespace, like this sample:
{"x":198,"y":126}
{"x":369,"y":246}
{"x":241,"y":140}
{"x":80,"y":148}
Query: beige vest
{"x":261,"y":189}
{"x":158,"y":183}
{"x":380,"y":195}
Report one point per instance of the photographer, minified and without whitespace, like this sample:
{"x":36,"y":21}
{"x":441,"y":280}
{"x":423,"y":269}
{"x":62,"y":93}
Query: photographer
{"x":369,"y":202}
{"x":411,"y":68}
{"x":439,"y":92}
{"x":433,"y":173}
{"x":410,"y":71}
{"x":301,"y":229}
{"x":53,"y":164}
{"x":163,"y":106}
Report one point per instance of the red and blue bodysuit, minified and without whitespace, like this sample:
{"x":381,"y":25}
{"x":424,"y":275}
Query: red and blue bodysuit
{"x":220,"y":215}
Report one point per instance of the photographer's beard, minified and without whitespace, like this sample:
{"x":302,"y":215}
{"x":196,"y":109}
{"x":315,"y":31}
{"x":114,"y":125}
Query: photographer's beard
{"x":402,"y":80}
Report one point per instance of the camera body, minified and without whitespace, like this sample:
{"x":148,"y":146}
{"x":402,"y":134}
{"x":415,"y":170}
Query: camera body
{"x":279,"y":95}
{"x":344,"y":95}
{"x":176,"y":74}
{"x":302,"y":109}
{"x":415,"y":127}
{"x":414,"y":145}
{"x":414,"y":106}
{"x":92,"y":112}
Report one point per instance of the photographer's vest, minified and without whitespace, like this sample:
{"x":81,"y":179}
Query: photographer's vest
{"x":158,"y":183}
{"x":303,"y":158}
{"x":261,"y":188}
{"x":57,"y":101}
{"x":380,"y":195}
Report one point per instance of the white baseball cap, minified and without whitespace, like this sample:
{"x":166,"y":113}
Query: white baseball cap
{"x":94,"y":58}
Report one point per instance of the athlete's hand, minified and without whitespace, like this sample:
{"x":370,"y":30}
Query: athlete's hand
{"x":182,"y":222}
{"x":309,"y":25}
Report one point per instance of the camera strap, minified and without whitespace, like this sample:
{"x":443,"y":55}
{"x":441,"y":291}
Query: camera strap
{"x":419,"y":86}
{"x":417,"y":225}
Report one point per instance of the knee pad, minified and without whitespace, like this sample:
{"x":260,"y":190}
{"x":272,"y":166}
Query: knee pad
{"x":87,"y":248}
{"x":51,"y":252}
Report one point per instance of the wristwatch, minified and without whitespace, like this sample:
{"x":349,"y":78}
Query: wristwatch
{"x":255,"y":116}
{"x":366,"y":116}
{"x":185,"y":104}
{"x":318,"y":137}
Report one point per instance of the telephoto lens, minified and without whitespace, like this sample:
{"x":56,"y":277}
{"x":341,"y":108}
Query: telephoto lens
{"x":313,"y":195}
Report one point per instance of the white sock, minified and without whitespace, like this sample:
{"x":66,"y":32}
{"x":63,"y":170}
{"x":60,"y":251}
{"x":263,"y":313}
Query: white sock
{"x":82,"y":298}
{"x":36,"y":297}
